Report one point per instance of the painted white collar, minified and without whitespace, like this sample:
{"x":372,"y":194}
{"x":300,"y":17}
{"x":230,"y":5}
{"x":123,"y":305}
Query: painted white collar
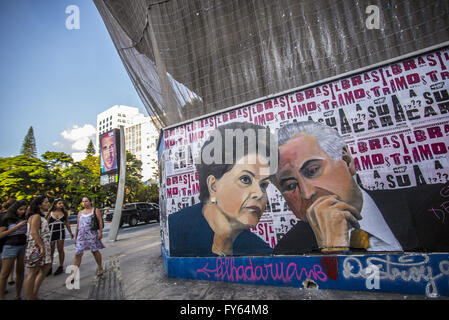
{"x":374,"y":223}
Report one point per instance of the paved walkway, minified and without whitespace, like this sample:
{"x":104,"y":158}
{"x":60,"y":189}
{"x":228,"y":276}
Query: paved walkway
{"x":134,"y":270}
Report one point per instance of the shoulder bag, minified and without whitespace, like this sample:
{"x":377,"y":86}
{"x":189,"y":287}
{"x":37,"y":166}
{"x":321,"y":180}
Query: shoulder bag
{"x":95,"y":224}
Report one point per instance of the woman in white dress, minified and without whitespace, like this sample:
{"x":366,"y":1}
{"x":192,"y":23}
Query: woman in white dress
{"x":87,"y":239}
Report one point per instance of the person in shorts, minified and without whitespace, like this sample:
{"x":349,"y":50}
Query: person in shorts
{"x":13,"y":228}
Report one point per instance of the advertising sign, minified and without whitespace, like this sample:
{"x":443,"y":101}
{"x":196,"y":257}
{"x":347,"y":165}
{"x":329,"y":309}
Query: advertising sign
{"x":109,"y":151}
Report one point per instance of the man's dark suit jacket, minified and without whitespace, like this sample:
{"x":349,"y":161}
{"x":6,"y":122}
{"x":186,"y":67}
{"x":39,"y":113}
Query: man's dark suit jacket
{"x":408,"y":212}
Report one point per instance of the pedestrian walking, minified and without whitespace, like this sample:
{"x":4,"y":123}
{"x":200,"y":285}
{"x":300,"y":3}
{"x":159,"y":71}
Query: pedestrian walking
{"x":38,"y":253}
{"x":58,"y":221}
{"x":87,"y":237}
{"x":13,"y":229}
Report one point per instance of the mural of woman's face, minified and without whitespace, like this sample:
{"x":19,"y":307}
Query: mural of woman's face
{"x":241,"y":192}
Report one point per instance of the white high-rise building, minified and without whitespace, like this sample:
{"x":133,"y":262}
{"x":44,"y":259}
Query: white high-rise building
{"x":141,"y":139}
{"x":115,"y":117}
{"x":141,"y":136}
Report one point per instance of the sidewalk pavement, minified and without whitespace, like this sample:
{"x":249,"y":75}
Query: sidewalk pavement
{"x":134,"y":270}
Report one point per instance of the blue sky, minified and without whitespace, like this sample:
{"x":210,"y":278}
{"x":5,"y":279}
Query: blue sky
{"x":56,"y":79}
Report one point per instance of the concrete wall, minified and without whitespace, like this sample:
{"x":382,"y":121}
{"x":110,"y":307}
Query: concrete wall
{"x":229,"y":52}
{"x":393,"y":121}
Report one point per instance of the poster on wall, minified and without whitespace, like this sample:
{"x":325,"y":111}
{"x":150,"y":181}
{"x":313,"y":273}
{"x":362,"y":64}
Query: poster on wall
{"x":359,"y":164}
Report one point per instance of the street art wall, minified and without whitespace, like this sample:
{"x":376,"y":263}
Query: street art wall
{"x":364,"y":157}
{"x":354,"y":166}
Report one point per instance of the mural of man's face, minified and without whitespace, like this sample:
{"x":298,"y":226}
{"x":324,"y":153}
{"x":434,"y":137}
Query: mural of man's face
{"x":108,"y":152}
{"x":306,"y":173}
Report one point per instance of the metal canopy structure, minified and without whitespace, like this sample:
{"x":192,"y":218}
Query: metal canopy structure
{"x":189,"y":58}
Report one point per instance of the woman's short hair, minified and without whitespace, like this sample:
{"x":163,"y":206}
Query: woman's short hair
{"x":232,"y":141}
{"x":328,"y":138}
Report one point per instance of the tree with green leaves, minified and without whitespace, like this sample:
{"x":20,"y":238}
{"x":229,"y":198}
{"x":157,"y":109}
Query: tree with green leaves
{"x":23,"y":177}
{"x":90,"y":151}
{"x":57,"y":175}
{"x":29,"y":144}
{"x":57,"y":162}
{"x":147,"y":193}
{"x":58,"y":159}
{"x":133,"y":176}
{"x":80,"y":182}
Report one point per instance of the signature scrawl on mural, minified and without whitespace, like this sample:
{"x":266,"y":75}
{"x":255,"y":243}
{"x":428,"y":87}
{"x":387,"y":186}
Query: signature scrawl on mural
{"x":408,"y":268}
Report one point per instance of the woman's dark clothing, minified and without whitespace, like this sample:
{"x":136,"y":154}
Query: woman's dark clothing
{"x":191,"y":235}
{"x":57,"y":227}
{"x":16,"y":238}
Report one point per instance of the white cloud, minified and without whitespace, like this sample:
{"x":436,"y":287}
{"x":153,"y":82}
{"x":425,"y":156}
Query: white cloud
{"x":58,"y":144}
{"x":78,"y":156}
{"x":79,"y":137}
{"x":81,"y":144}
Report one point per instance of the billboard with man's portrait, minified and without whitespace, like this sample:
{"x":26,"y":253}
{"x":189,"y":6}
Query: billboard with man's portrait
{"x":109,"y":151}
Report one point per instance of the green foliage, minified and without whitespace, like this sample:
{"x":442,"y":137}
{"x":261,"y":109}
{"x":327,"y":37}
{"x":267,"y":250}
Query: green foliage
{"x":57,"y":158}
{"x":23,"y":177}
{"x":29,"y":144}
{"x":93,"y":164}
{"x":147,"y":193}
{"x":58,"y":176}
{"x":133,"y":177}
{"x":90,"y":151}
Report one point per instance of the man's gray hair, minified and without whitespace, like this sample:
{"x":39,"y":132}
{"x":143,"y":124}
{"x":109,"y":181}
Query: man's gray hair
{"x":328,"y":138}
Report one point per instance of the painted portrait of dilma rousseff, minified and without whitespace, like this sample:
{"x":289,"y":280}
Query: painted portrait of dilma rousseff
{"x":233,"y":196}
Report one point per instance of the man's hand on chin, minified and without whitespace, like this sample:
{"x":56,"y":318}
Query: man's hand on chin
{"x":331,"y":219}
